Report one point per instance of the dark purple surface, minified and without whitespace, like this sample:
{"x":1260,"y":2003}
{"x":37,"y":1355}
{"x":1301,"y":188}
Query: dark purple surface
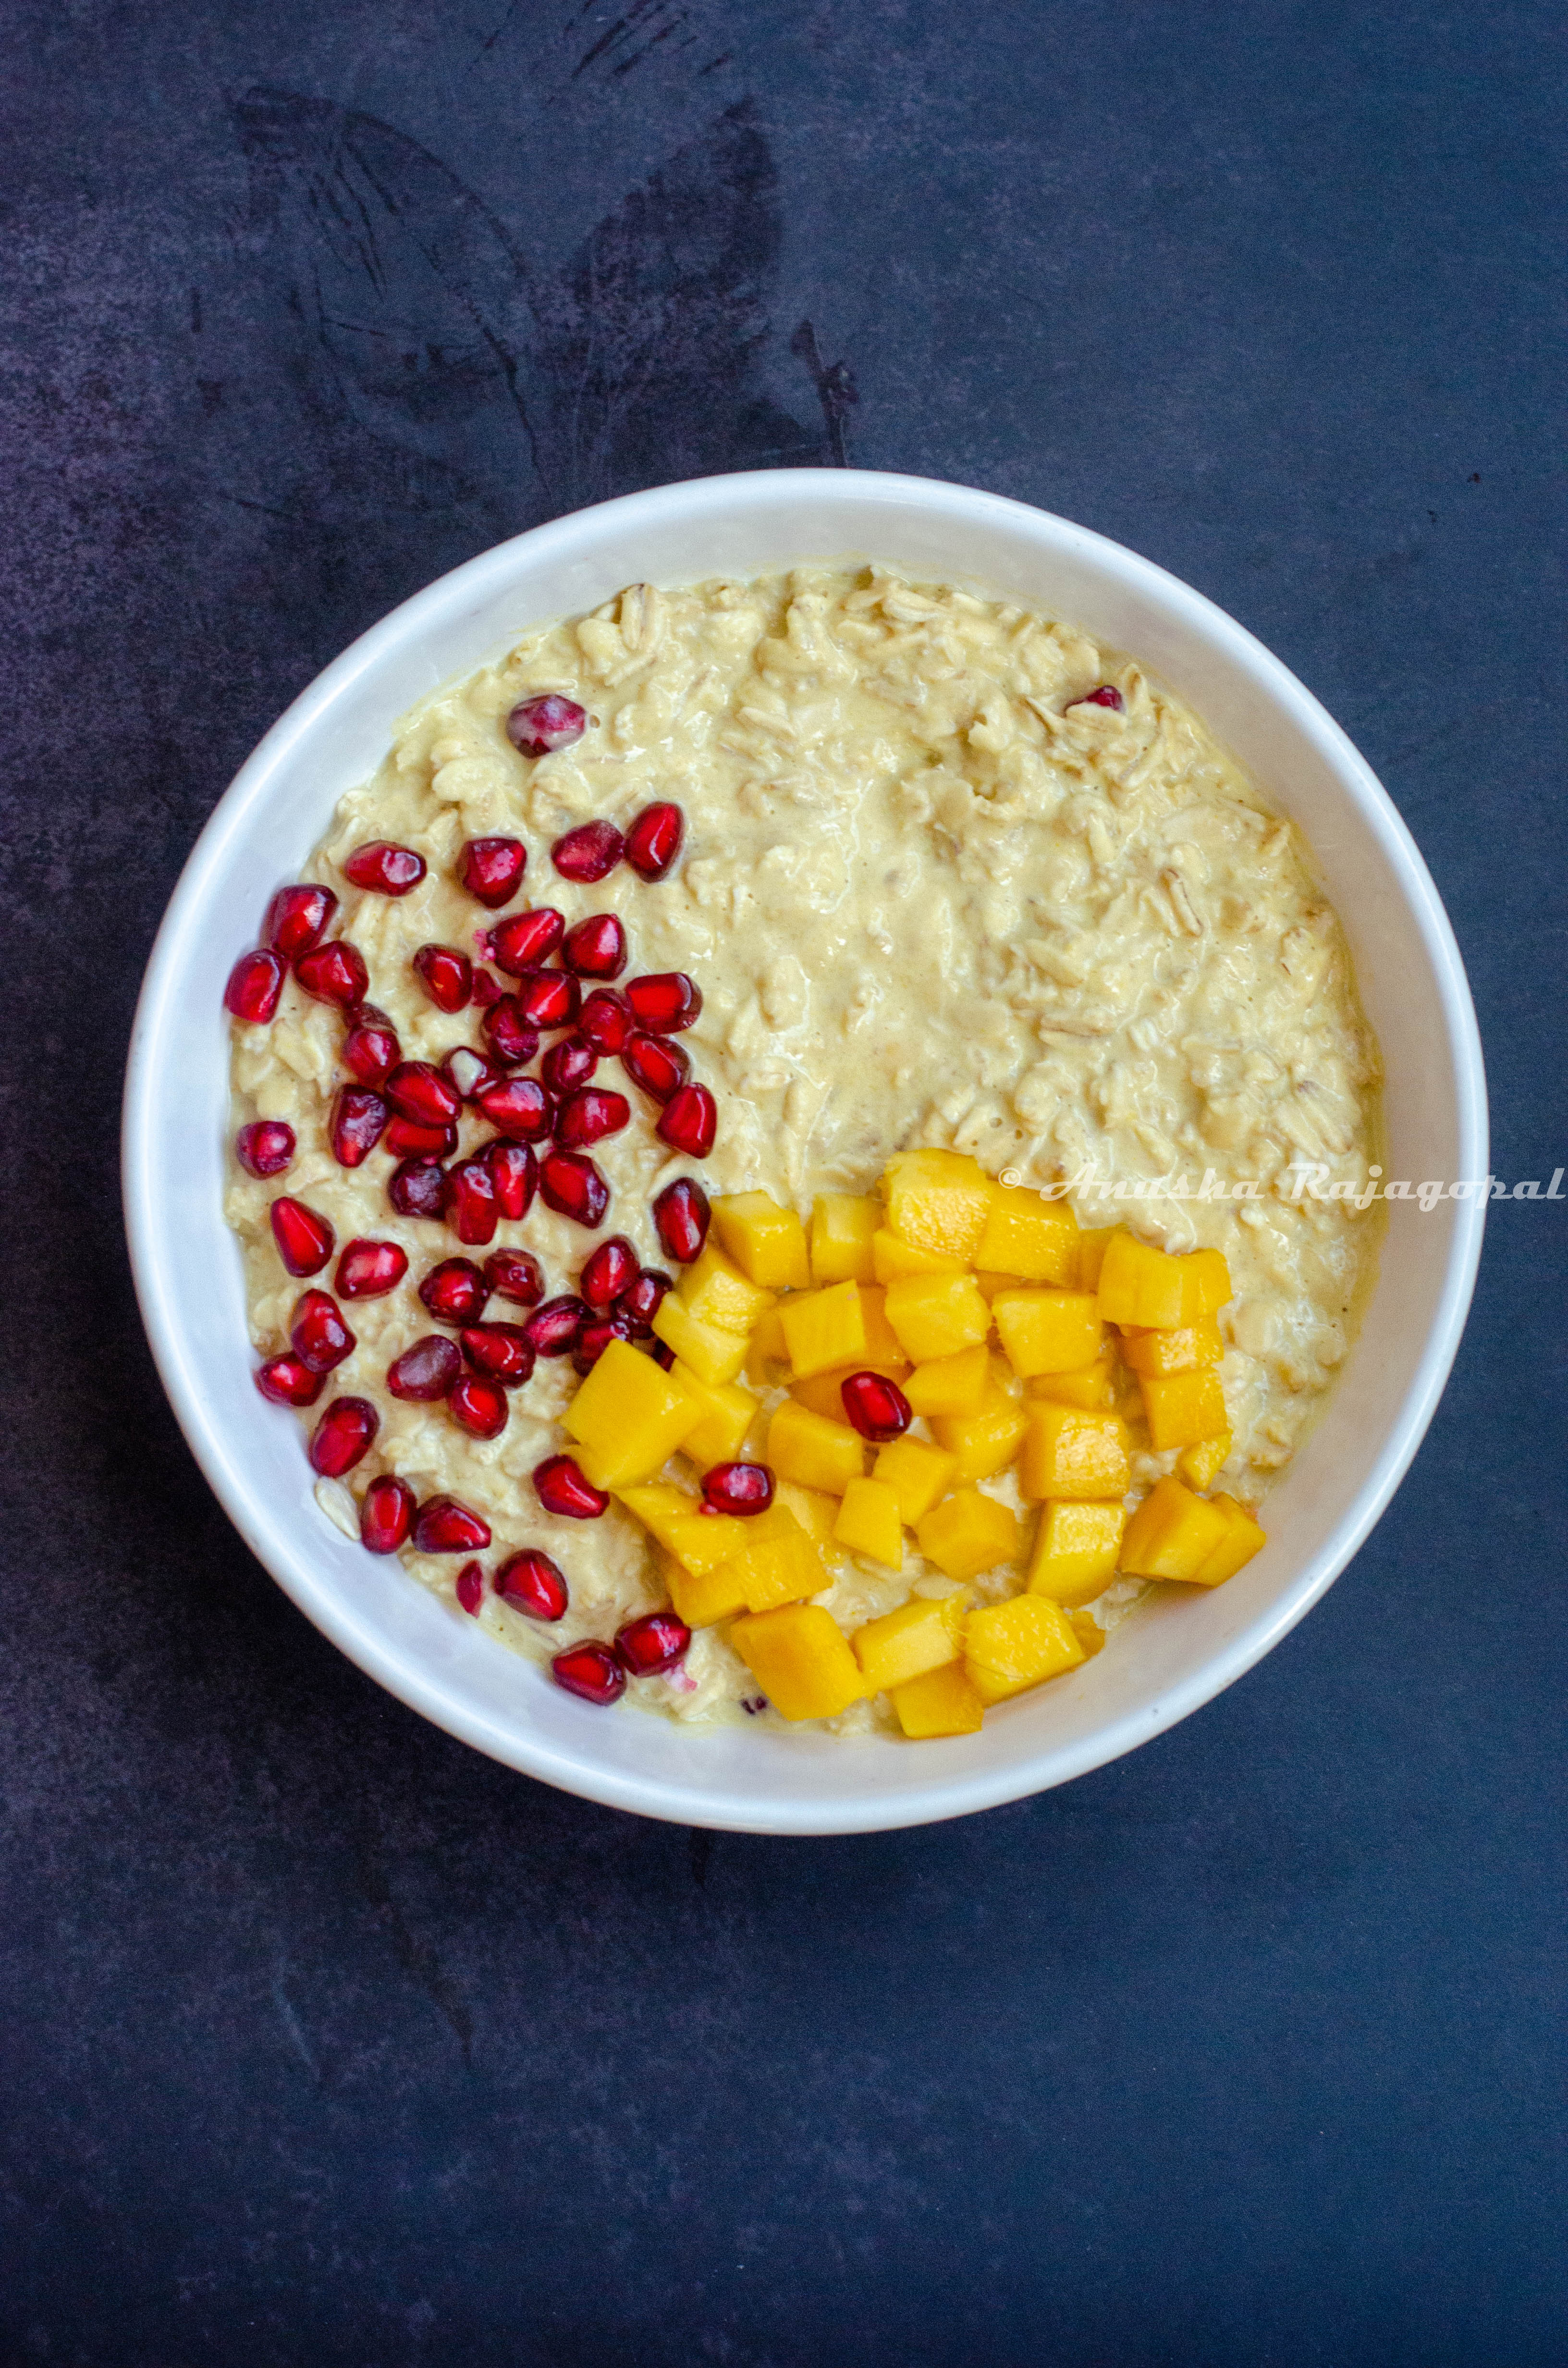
{"x":320,"y":2037}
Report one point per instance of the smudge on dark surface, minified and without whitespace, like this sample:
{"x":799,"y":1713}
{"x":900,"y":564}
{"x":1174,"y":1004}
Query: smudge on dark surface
{"x":836,"y":390}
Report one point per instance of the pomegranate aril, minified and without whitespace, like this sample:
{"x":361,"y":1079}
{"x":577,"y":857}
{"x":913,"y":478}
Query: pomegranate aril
{"x":443,"y":1526}
{"x":640,"y":1303}
{"x":513,"y":1173}
{"x":371,"y":1049}
{"x":334,"y":972}
{"x":446,"y":975}
{"x":877,"y":1408}
{"x":648,"y":1646}
{"x":591,"y":1672}
{"x":255,"y":984}
{"x":304,"y":1239}
{"x":480,"y":1406}
{"x":296,"y":918}
{"x":549,"y":998}
{"x":531,"y":1582}
{"x":511,"y":1035}
{"x":660,"y":1068}
{"x":664,"y":1002}
{"x":343,"y":1435}
{"x":417,"y":1090}
{"x":407,"y":1138}
{"x":609,"y":1272}
{"x":418,"y":1187}
{"x":358,"y":1122}
{"x":562,"y":1489}
{"x":470,"y":1209}
{"x":265,"y":1148}
{"x":502,"y":1352}
{"x":515,"y":1276}
{"x":469,"y":1073}
{"x":1107,"y":695}
{"x":663,"y":1354}
{"x":470,"y":1587}
{"x":596,"y":947}
{"x":386,"y":1515}
{"x":547,"y":721}
{"x":318,"y":1334}
{"x":289,"y":1380}
{"x":573,"y":1188}
{"x":368,"y":1269}
{"x":595,"y":1337}
{"x":741,"y":1489}
{"x":552,"y":1329}
{"x":383,"y":868}
{"x":653,"y":839}
{"x":588,"y":1117}
{"x":490,"y":869}
{"x":519,"y":1107}
{"x":688,"y":1121}
{"x":427,"y":1371}
{"x":525,"y":939}
{"x":604,"y":1020}
{"x":487,"y":989}
{"x":588,"y":853}
{"x":568,"y":1064}
{"x":681,"y":1214}
{"x":455,"y":1292}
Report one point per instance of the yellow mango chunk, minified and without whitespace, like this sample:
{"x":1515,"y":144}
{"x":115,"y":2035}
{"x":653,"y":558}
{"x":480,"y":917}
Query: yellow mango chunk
{"x":629,"y":1416}
{"x":823,"y":1329}
{"x":1088,"y":1631}
{"x":892,"y":1258}
{"x":1201,"y":1464}
{"x":767,"y":1243}
{"x":717,"y":1292}
{"x":988,"y":1285}
{"x":1181,"y":1350}
{"x":703,"y":1601}
{"x":882,"y":1344}
{"x":1173,"y":1533}
{"x":1182,"y":1408}
{"x":810,"y":1449}
{"x":728,"y":1413}
{"x":981,"y":1442}
{"x":920,"y":1635}
{"x":1146,"y":1287}
{"x":939,"y":1200}
{"x":1070,"y":1453}
{"x":967,"y":1534}
{"x":815,"y":1512}
{"x":801,"y":1658}
{"x":1075,"y":1551}
{"x":941,"y":1703}
{"x":823,"y":1392}
{"x":777,"y":1564}
{"x":766,"y":1347}
{"x":869,"y":1522}
{"x":1007,"y":1647}
{"x":1034,"y":1240}
{"x":1092,"y":1387}
{"x":713,"y":1354}
{"x":1091,"y":1255}
{"x":699,"y":1542}
{"x":842,"y":1227}
{"x":1205,"y":1284}
{"x":936,"y":1315}
{"x":1242,"y":1539}
{"x":955,"y":1385}
{"x":1048,"y":1331}
{"x":917,"y":1473}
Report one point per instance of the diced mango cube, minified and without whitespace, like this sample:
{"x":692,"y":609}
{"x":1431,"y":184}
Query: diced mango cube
{"x":869,"y":1522}
{"x":1182,"y":1408}
{"x":936,"y":1315}
{"x":892,"y":1258}
{"x":1173,"y":1533}
{"x":699,"y":1542}
{"x":728,"y":1413}
{"x":967,"y":1534}
{"x":767,"y":1243}
{"x":1205,"y":1283}
{"x":808,"y":1448}
{"x":983,"y":1442}
{"x":1048,"y":1331}
{"x":1088,"y":1631}
{"x":713,"y":1354}
{"x":842,"y":1227}
{"x":1091,"y":1255}
{"x":1033,"y":1239}
{"x":630,"y":1416}
{"x":883,"y":1346}
{"x":920,"y":1635}
{"x":1145,"y":1287}
{"x":939,"y":1200}
{"x":1201,"y":1464}
{"x":988,"y":1285}
{"x":1075,"y":1551}
{"x":1181,"y":1350}
{"x":823,"y":1329}
{"x":717,"y":1292}
{"x":801,"y":1658}
{"x":778,"y":1563}
{"x":702,"y":1601}
{"x":1068,"y":1452}
{"x":823,"y":1392}
{"x":816,"y":1511}
{"x":1092,"y":1387}
{"x":1009,"y":1648}
{"x":1242,"y":1539}
{"x":766,"y":1347}
{"x":941,"y":1703}
{"x":917,"y":1473}
{"x":955,"y":1385}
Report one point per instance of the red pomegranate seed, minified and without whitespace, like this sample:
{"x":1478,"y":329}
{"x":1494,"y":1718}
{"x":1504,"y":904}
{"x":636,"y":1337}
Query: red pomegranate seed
{"x":490,"y":869}
{"x":604,"y":1020}
{"x":342,"y":1436}
{"x":255,"y":984}
{"x":595,"y":1337}
{"x":588,"y":853}
{"x":471,"y":1201}
{"x":1107,"y":695}
{"x":663,"y":1354}
{"x":689,"y":1121}
{"x":371,"y":1049}
{"x":406,"y":1138}
{"x":318,"y":1334}
{"x":427,"y":1371}
{"x":877,"y":1408}
{"x":334,"y":972}
{"x":568,"y":1064}
{"x":296,"y":918}
{"x":418,"y":1187}
{"x":386,"y":1515}
{"x":609,"y":1272}
{"x":514,"y":1172}
{"x":446,"y":975}
{"x":531,"y":1582}
{"x":549,"y":998}
{"x":516,"y":1277}
{"x":511,"y":1035}
{"x":654,"y":840}
{"x":470,"y":1587}
{"x":665,"y":1003}
{"x":469,"y":1073}
{"x":487,"y":989}
{"x":742,"y":1488}
{"x":502,"y":1352}
{"x":591,"y":1672}
{"x":544,"y":723}
{"x":562,"y":1488}
{"x":648,"y":1646}
{"x":552,"y":1329}
{"x":289,"y":1380}
{"x":455,"y":1292}
{"x":681,"y":1214}
{"x":520,"y":1107}
{"x":573,"y":1188}
{"x":596,"y":947}
{"x":417,"y":1090}
{"x":305,"y":1240}
{"x":480,"y":1406}
{"x":368,"y":1269}
{"x":384,"y":868}
{"x":358,"y":1122}
{"x":589,"y":1116}
{"x":660,"y":1068}
{"x":265,"y":1148}
{"x":640,"y":1304}
{"x":443,"y":1526}
{"x":527,"y":940}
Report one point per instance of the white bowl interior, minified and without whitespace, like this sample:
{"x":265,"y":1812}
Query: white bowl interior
{"x":1175,"y":1652}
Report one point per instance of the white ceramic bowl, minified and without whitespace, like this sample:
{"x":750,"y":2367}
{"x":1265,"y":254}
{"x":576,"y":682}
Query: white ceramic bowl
{"x":1174,"y":1653}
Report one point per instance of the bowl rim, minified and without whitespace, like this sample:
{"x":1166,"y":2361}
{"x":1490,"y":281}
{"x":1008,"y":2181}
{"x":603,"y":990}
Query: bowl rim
{"x":425,"y":1689}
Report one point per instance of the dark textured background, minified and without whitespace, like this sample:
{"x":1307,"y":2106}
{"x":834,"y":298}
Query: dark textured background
{"x":323,"y":2039}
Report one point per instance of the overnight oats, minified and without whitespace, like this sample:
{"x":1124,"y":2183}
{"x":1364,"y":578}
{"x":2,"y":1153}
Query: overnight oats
{"x":768,"y":1147}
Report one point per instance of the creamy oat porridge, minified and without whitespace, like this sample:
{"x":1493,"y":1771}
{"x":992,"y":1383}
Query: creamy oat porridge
{"x":931,"y":945}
